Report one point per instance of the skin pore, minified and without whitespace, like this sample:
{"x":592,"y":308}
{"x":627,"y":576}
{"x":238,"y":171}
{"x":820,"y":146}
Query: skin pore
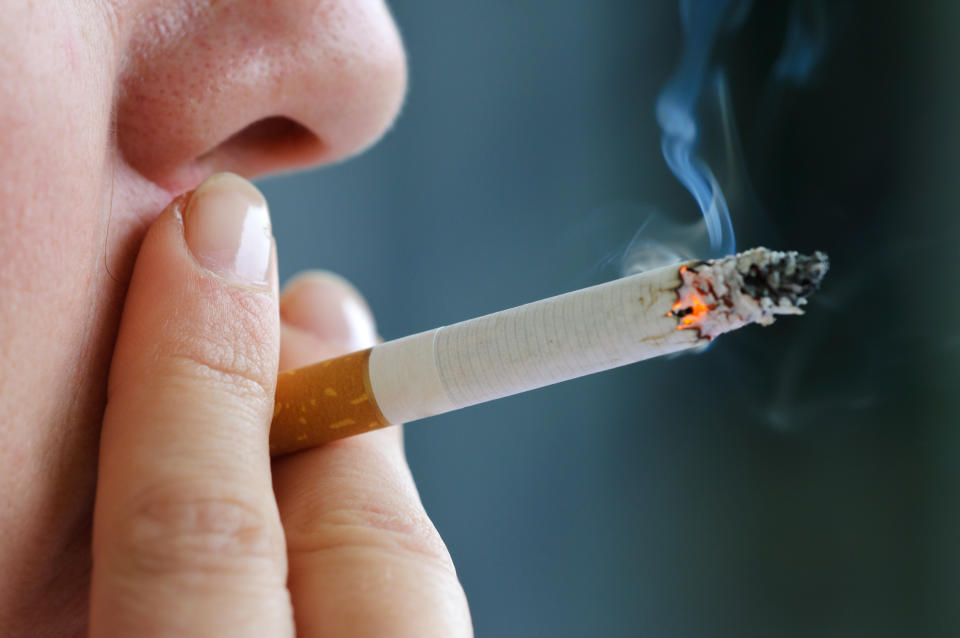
{"x":109,"y":109}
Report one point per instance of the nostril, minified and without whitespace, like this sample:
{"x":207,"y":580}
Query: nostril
{"x":272,"y":133}
{"x":268,"y":144}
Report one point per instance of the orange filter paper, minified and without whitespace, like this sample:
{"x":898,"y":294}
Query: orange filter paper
{"x":321,"y":403}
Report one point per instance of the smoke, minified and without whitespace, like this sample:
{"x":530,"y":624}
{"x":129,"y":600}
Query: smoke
{"x":804,"y":43}
{"x":676,"y":111}
{"x":695,"y":103}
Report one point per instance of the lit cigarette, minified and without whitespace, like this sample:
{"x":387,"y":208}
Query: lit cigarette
{"x":585,"y":331}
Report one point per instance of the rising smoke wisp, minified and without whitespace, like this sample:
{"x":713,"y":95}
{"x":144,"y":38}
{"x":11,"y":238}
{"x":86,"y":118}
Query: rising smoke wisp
{"x":703,"y":22}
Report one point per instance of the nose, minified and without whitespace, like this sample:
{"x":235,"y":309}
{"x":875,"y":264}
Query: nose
{"x":255,"y":86}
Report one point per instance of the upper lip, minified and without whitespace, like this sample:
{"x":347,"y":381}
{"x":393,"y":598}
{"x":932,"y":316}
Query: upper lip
{"x":142,"y":199}
{"x":157,"y":194}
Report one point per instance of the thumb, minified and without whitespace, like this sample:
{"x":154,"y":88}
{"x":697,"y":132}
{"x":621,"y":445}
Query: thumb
{"x":187,"y":539}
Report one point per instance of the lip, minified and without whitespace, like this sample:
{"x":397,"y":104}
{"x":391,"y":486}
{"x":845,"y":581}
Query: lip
{"x":150,"y":196}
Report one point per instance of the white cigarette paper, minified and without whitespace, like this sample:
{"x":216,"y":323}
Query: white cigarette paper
{"x":646,"y":315}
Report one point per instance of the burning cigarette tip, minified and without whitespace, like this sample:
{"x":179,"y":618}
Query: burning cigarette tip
{"x":754,"y":286}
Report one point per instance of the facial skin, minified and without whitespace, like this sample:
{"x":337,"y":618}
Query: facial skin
{"x":108,"y":110}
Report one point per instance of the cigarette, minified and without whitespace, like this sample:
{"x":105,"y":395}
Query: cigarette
{"x":639,"y":317}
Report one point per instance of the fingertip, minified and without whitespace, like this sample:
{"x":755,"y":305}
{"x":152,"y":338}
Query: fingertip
{"x":226,"y":224}
{"x":300,"y":348}
{"x":329,"y":307}
{"x":318,"y":277}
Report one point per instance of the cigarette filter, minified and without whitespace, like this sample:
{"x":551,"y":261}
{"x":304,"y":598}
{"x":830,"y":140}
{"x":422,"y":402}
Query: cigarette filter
{"x":646,"y":315}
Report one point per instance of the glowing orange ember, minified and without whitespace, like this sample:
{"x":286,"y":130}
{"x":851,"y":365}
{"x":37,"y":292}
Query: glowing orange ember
{"x":689,"y":310}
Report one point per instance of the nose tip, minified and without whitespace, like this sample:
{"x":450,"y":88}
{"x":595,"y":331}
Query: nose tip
{"x":257,"y":87}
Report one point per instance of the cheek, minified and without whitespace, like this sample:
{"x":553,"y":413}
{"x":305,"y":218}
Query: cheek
{"x":55,"y":96}
{"x":55,"y":112}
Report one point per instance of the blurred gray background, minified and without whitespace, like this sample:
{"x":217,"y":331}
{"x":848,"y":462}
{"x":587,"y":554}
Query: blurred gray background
{"x":800,"y":480}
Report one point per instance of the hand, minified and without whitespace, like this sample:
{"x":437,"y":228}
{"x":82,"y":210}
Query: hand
{"x":191,"y":538}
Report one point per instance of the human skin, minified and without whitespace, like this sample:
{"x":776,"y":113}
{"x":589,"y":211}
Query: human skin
{"x":109,"y":109}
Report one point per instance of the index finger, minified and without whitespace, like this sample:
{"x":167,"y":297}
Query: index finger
{"x":187,"y":538}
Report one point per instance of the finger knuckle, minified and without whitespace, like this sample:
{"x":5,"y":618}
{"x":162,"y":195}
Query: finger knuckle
{"x":182,"y":531}
{"x":233,"y":349}
{"x":399,"y":532}
{"x":240,"y":371}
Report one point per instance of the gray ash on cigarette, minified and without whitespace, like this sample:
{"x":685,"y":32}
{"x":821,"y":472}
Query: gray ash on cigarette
{"x":786,"y":275}
{"x":754,"y":286}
